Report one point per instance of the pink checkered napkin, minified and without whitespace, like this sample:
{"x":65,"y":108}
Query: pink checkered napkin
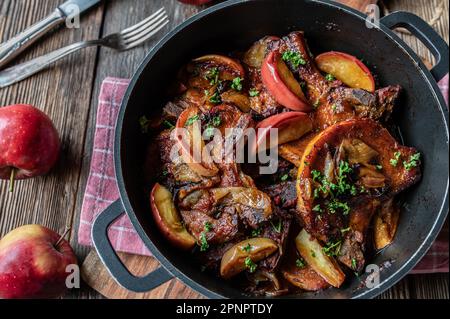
{"x":101,"y":189}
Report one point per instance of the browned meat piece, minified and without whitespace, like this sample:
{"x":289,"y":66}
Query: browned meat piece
{"x":335,"y":103}
{"x":277,"y":230}
{"x":223,"y":229}
{"x":264,"y":103}
{"x":173,"y":110}
{"x":355,"y":240}
{"x":283,"y":194}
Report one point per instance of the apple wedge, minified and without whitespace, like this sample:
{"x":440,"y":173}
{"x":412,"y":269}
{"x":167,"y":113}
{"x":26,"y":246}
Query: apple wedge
{"x":347,"y":69}
{"x":192,"y":147}
{"x":385,"y":224}
{"x":291,"y":126}
{"x":245,"y":254}
{"x":168,"y":219}
{"x":311,"y":250}
{"x":255,"y":56}
{"x":367,"y":131}
{"x":281,"y":84}
{"x":228,"y":67}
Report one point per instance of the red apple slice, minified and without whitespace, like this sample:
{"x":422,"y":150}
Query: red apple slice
{"x":347,"y":69}
{"x":229,"y":68}
{"x":192,"y":146}
{"x":281,"y":83}
{"x":291,"y":126}
{"x":168,"y":219}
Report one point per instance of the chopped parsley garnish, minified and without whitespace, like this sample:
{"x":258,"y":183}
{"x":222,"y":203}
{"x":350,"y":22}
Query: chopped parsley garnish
{"x":209,"y":131}
{"x":215,"y":98}
{"x":353,"y":263}
{"x":316,"y":175}
{"x":334,"y":107}
{"x":313,"y":254}
{"x":294,"y":58}
{"x":284,"y":177}
{"x":208,"y":226}
{"x":191,"y":120}
{"x":256,"y":232}
{"x":344,"y":230}
{"x":250,"y":265}
{"x":253,"y":92}
{"x":303,"y":86}
{"x":203,"y":242}
{"x":394,"y":161}
{"x":278,"y":226}
{"x":332,"y":249}
{"x":237,"y":84}
{"x":213,"y":76}
{"x":335,"y":205}
{"x":330,"y":77}
{"x":216,"y":121}
{"x":165,"y":172}
{"x":247,"y":248}
{"x":300,"y":263}
{"x":379,"y":167}
{"x":412,"y":162}
{"x":168,"y":124}
{"x":317,"y":208}
{"x":144,"y":123}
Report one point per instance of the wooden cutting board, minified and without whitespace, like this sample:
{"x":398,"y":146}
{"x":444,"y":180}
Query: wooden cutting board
{"x":96,"y":276}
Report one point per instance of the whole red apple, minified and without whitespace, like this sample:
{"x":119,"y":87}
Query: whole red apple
{"x":195,"y":2}
{"x":29,"y":142}
{"x":32,"y":265}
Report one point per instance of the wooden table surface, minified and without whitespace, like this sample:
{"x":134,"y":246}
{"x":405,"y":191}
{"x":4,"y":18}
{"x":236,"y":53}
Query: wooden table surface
{"x":68,"y":94}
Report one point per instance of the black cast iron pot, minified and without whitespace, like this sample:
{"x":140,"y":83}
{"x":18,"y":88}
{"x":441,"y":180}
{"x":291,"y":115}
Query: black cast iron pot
{"x":422,"y":119}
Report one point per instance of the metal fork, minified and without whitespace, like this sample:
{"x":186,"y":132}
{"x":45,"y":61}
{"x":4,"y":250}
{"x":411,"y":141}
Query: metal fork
{"x":124,"y":40}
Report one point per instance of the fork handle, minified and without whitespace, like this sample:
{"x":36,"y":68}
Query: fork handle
{"x":22,"y":71}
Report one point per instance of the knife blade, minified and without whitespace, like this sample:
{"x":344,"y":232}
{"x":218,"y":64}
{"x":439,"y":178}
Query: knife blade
{"x":16,"y":45}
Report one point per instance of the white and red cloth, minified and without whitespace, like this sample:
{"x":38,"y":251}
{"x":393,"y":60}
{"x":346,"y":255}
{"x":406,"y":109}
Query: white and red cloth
{"x":101,"y":189}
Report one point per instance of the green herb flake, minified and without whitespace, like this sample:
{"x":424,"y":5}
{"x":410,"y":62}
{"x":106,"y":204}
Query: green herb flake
{"x":313,"y":254}
{"x":354,"y":264}
{"x":247,"y":248}
{"x":300,"y":263}
{"x":394,"y":161}
{"x":336,"y":205}
{"x":317,"y":208}
{"x":250,"y":265}
{"x":144,"y":123}
{"x":284,"y":177}
{"x":209,"y":132}
{"x":329,"y":77}
{"x":412,"y":162}
{"x":213,"y":76}
{"x":316,"y":104}
{"x":215,"y":98}
{"x":278,"y":226}
{"x":332,"y":249}
{"x":203,"y":242}
{"x":237,"y":84}
{"x":345,"y":230}
{"x":253,"y":92}
{"x":379,"y":167}
{"x":216,"y":121}
{"x":294,"y":58}
{"x":191,"y":120}
{"x":168,"y":124}
{"x":208,"y":226}
{"x":256,"y":232}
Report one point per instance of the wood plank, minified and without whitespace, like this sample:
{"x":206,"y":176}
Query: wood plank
{"x":121,"y":14}
{"x":64,"y":93}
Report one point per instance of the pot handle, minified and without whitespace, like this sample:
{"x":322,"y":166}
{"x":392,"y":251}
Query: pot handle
{"x":113,"y":263}
{"x":425,"y":33}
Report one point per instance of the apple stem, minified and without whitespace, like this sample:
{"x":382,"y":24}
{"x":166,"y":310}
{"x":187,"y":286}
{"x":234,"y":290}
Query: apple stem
{"x":12,"y":179}
{"x":62,"y":236}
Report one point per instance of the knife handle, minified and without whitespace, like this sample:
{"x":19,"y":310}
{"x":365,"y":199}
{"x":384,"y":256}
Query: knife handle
{"x":13,"y":47}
